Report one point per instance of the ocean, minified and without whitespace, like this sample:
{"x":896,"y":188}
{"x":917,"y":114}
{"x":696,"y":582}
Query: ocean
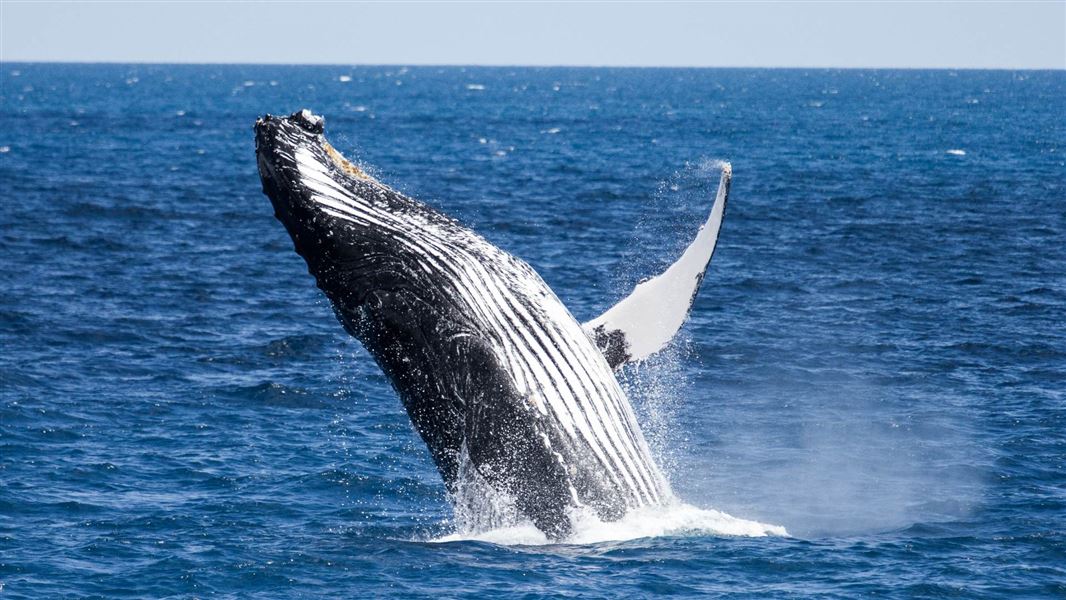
{"x":874,"y":369}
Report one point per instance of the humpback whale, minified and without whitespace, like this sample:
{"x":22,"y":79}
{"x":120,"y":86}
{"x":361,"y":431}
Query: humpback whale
{"x":497,"y":376}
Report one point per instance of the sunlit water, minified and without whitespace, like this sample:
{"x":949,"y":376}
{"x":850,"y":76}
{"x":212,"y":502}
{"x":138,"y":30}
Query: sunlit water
{"x":868,"y":400}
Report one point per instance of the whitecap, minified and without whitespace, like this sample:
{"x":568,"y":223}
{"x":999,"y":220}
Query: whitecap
{"x":956,"y":152}
{"x":474,"y":86}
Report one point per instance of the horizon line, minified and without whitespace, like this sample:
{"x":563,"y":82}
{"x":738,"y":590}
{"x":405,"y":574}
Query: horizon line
{"x":520,"y":65}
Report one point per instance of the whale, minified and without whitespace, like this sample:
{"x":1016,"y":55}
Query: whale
{"x":499,"y":379}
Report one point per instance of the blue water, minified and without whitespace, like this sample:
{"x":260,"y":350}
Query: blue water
{"x":876,"y":362}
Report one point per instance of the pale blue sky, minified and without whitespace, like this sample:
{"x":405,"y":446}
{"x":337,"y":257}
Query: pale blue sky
{"x":807,"y":34}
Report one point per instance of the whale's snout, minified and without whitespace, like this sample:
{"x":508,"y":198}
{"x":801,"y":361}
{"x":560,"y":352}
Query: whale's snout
{"x":277,"y":141}
{"x":281,"y":135}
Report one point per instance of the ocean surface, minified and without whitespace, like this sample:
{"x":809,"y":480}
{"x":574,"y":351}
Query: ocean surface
{"x":876,"y":363}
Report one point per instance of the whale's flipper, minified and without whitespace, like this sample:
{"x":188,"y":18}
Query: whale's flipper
{"x":648,"y":318}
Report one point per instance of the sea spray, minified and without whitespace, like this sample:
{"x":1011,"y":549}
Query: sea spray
{"x":656,"y":387}
{"x":666,"y":222}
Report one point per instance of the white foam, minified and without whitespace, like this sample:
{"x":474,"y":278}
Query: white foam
{"x":956,"y":152}
{"x":673,"y":520}
{"x":475,"y":86}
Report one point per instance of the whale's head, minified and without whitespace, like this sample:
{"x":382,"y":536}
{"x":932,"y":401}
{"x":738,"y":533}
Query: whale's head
{"x":281,"y":145}
{"x":329,"y":206}
{"x":293,"y":150}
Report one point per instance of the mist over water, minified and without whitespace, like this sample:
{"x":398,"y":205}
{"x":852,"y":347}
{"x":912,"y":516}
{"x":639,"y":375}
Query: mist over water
{"x":846,"y":466}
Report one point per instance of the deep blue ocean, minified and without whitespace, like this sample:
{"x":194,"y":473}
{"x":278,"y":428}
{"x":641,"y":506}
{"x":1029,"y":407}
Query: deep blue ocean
{"x":876,"y":361}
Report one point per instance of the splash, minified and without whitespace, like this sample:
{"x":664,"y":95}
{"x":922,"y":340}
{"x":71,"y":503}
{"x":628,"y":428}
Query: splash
{"x":484,"y":514}
{"x":675,"y":519}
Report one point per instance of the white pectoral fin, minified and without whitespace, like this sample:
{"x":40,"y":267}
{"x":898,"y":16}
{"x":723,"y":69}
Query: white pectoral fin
{"x":646,"y":320}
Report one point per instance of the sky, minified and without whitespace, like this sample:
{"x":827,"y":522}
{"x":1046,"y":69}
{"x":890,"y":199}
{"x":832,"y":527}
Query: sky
{"x":901,"y":34}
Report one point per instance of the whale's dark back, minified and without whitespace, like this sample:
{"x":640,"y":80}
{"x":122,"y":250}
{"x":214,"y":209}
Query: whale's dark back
{"x":491,"y":367}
